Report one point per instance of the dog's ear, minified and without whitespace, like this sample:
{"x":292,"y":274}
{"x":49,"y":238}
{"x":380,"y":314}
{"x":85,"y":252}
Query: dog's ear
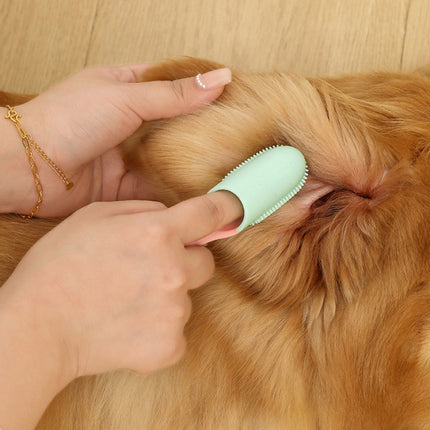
{"x":183,"y":67}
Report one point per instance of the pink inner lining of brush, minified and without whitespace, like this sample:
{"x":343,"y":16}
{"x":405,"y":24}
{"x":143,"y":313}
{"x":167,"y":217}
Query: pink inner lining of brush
{"x":226,"y":231}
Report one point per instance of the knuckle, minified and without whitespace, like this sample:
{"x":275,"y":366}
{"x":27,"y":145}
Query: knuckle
{"x":207,"y":266}
{"x":175,"y":278}
{"x":179,"y":91}
{"x":210,"y":263}
{"x":207,"y":257}
{"x":178,"y":313}
{"x":125,"y":74}
{"x":181,"y":312}
{"x":157,"y":232}
{"x":215,"y":212}
{"x":175,"y":349}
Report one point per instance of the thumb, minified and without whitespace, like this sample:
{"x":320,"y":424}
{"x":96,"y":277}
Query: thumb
{"x":164,"y":99}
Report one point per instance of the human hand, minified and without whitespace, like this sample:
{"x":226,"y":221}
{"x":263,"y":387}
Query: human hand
{"x":79,"y":124}
{"x":108,"y":286}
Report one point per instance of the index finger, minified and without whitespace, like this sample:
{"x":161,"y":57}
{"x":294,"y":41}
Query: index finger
{"x":200,"y":216}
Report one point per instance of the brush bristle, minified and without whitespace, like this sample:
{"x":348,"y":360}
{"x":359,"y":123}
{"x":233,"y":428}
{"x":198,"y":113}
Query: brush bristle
{"x":250,"y":158}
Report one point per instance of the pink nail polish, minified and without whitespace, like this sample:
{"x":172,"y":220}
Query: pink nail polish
{"x":214,"y":79}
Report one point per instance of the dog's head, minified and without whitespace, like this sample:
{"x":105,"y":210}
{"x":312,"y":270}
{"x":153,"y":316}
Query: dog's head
{"x":363,"y":215}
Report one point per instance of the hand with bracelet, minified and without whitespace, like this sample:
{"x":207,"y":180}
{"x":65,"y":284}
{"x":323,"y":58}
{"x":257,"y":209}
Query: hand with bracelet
{"x":107,"y":288}
{"x":79,"y":123}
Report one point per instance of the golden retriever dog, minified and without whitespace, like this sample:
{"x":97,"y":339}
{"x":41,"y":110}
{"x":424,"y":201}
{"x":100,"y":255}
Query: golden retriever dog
{"x":316,"y":318}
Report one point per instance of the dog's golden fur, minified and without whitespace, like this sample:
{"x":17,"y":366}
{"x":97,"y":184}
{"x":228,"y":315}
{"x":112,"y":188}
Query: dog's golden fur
{"x":317,"y":318}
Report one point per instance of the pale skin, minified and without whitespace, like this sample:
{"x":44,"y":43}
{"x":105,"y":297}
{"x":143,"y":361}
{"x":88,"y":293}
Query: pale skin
{"x":108,"y":287}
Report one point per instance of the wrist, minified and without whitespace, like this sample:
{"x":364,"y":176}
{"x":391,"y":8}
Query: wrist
{"x":16,"y":182}
{"x":33,"y":361}
{"x":18,"y":193}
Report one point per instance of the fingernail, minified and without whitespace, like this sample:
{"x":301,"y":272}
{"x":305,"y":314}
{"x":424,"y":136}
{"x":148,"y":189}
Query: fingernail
{"x":214,"y":79}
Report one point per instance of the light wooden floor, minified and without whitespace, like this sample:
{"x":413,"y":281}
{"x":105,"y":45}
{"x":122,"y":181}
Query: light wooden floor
{"x":42,"y":41}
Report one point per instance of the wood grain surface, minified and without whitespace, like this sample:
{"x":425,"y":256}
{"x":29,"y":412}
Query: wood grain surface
{"x":42,"y":41}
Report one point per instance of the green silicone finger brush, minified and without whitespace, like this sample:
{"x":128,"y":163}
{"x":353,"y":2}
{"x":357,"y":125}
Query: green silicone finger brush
{"x":263,"y":183}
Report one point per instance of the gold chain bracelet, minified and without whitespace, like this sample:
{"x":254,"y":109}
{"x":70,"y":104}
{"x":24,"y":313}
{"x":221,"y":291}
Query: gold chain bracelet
{"x":29,"y":144}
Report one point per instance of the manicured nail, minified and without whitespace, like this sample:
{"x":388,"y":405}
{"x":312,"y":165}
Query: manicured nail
{"x":214,"y":79}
